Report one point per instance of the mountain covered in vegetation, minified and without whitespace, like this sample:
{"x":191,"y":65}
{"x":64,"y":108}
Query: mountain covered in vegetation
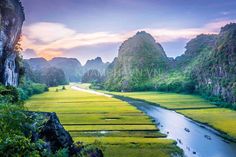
{"x":95,"y":64}
{"x":39,"y":70}
{"x":139,"y":59}
{"x":70,"y":66}
{"x":207,"y":66}
{"x":216,"y":74}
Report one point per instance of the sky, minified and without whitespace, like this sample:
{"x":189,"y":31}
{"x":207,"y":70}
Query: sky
{"x":85,"y":29}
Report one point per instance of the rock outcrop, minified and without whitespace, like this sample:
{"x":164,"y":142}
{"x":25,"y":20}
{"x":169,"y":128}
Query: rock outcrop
{"x":11,"y":20}
{"x":48,"y":128}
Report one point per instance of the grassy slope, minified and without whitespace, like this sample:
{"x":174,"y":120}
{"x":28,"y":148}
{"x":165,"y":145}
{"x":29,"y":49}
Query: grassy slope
{"x":192,"y":106}
{"x":86,"y":116}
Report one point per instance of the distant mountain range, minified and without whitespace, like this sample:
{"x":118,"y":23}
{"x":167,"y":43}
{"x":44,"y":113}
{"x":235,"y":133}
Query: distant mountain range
{"x":71,"y":67}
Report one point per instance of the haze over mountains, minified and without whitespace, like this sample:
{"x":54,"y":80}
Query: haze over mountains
{"x":71,"y":67}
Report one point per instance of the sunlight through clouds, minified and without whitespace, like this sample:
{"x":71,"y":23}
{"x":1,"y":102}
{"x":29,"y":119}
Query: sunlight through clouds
{"x":53,"y":39}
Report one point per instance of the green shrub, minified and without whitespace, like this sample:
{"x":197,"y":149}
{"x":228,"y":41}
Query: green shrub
{"x":29,"y":88}
{"x":8,"y":94}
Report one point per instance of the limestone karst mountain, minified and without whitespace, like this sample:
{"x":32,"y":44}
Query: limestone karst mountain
{"x":139,"y":58}
{"x":95,"y":64}
{"x":37,"y":63}
{"x":216,"y":75}
{"x":71,"y":67}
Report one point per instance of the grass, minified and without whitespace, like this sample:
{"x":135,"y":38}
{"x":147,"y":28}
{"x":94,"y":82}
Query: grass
{"x":193,"y":107}
{"x":170,"y":100}
{"x":115,"y":133}
{"x":221,"y":119}
{"x":141,"y":150}
{"x":109,"y":127}
{"x":121,"y":140}
{"x":120,"y":127}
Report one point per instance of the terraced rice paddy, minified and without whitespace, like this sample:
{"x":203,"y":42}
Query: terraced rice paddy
{"x":193,"y":107}
{"x":120,"y":127}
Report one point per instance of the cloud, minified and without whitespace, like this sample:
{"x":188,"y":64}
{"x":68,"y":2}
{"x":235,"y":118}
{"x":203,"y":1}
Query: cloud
{"x":225,"y":13}
{"x":52,"y":39}
{"x":47,"y":32}
{"x":29,"y":53}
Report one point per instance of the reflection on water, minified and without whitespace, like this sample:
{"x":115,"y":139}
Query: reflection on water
{"x":196,"y":140}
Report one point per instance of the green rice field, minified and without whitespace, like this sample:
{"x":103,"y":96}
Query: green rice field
{"x":120,"y":127}
{"x":193,"y":107}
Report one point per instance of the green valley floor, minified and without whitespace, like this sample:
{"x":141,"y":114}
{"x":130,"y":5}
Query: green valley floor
{"x":120,"y":128}
{"x":192,"y":106}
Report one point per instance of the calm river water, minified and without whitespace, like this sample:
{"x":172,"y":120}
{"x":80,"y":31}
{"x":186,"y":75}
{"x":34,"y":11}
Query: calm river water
{"x":195,"y":139}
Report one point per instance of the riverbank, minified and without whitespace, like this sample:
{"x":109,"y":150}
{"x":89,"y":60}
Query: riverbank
{"x":194,"y":138}
{"x":193,"y":107}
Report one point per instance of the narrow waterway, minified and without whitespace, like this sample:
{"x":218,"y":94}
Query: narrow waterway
{"x":195,"y":139}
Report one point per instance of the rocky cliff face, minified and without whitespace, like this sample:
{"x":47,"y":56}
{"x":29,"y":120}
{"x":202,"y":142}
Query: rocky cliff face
{"x":11,"y":20}
{"x":49,"y":129}
{"x":216,"y":74}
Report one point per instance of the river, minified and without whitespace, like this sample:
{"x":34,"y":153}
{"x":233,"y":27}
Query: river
{"x":195,"y":139}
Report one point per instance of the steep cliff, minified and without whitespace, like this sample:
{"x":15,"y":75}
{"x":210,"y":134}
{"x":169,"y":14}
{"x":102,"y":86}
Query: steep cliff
{"x":216,"y":75}
{"x":11,"y":20}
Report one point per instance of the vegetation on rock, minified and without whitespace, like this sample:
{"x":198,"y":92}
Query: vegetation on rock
{"x":140,"y":58}
{"x":207,"y":67}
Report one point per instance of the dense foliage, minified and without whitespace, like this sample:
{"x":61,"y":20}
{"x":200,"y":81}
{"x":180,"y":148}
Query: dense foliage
{"x":16,"y":128}
{"x":28,"y":88}
{"x":51,"y":77}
